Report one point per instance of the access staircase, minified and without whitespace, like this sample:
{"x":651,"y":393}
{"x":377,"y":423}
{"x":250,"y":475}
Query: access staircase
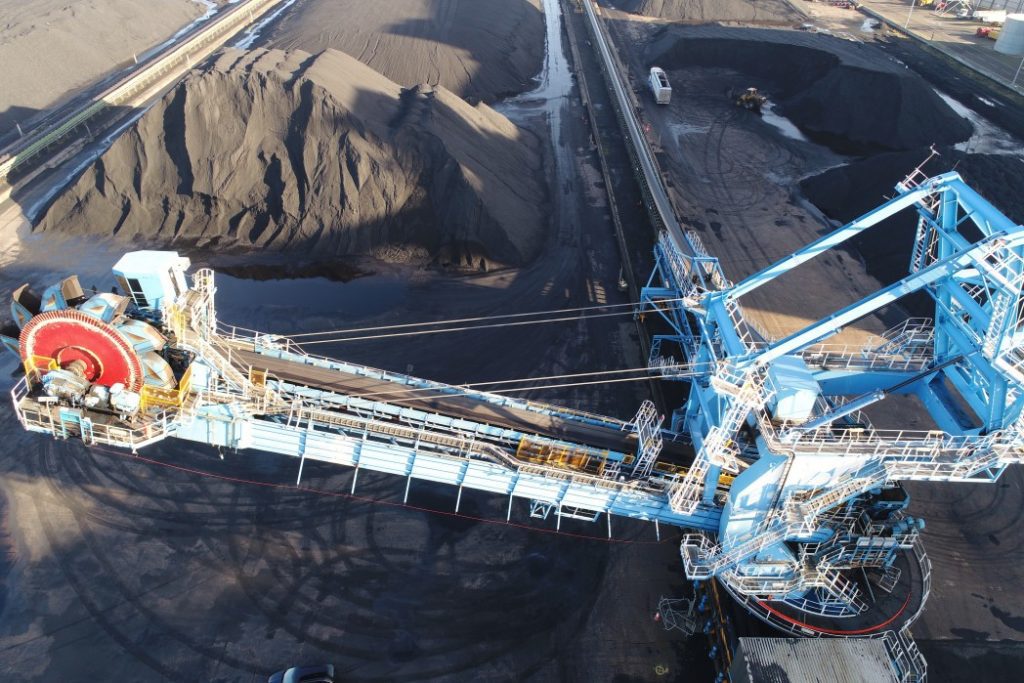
{"x":647,"y":425}
{"x":801,"y":509}
{"x":744,"y":393}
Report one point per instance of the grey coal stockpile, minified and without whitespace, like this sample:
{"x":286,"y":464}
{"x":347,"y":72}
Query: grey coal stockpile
{"x":51,"y":47}
{"x":316,"y":154}
{"x":479,"y":49}
{"x":848,"y":96}
{"x":758,"y":11}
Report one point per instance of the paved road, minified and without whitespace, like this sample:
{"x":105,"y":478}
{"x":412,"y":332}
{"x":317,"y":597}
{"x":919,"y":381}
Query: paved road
{"x":953,"y":36}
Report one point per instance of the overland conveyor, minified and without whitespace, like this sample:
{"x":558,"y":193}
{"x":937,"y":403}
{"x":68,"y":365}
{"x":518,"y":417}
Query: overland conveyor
{"x":620,"y":90}
{"x":131,"y":91}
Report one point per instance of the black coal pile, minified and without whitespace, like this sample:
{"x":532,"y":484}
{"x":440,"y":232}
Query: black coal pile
{"x":848,"y":96}
{"x":483,"y":49}
{"x":699,"y":11}
{"x":319,"y":155}
{"x":847,"y":192}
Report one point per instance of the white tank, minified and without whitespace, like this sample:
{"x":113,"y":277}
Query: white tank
{"x":1011,"y":36}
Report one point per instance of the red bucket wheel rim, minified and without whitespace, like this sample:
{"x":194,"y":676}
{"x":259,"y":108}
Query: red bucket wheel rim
{"x":70,"y":335}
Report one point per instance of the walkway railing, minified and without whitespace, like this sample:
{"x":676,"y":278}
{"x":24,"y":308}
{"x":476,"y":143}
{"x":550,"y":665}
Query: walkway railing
{"x":45,"y":416}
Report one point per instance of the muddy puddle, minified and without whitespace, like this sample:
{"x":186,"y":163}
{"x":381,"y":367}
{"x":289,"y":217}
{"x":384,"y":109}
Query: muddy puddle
{"x":781,"y":123}
{"x":988,"y":138}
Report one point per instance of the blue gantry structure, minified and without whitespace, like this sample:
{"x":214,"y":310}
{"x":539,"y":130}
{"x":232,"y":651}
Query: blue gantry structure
{"x":813,"y":527}
{"x":788,"y":493}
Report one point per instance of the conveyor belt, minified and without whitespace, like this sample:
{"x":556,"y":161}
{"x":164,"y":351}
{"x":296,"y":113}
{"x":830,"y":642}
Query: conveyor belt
{"x":457,"y":406}
{"x":645,"y":158}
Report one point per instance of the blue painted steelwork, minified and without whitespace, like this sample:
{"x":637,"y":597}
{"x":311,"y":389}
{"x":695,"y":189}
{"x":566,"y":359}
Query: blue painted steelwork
{"x":231,"y":404}
{"x":812,"y":499}
{"x":407,"y":459}
{"x":346,"y":430}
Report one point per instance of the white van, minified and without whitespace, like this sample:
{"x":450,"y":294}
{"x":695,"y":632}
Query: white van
{"x":660,"y":88}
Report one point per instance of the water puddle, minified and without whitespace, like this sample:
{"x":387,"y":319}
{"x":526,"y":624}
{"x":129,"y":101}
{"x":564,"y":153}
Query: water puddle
{"x":988,"y":138}
{"x":551,"y":96}
{"x":680,"y":129}
{"x":781,"y":123}
{"x":554,"y":82}
{"x":870,"y":25}
{"x":292,"y":299}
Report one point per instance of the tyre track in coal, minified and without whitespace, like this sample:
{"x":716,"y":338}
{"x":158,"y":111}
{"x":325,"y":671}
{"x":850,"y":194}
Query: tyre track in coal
{"x":223,"y":558}
{"x":190,"y":516}
{"x":100,"y":554}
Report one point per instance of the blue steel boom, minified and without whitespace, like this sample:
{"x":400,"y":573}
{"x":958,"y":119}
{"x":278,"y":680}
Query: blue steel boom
{"x":792,"y":498}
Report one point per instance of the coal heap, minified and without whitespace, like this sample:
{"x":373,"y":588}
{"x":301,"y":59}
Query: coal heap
{"x":316,"y":154}
{"x":846,"y":95}
{"x":697,"y":11}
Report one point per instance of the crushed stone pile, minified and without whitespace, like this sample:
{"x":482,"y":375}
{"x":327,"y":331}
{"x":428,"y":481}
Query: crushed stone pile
{"x":848,"y":96}
{"x":700,"y":11}
{"x":479,"y":49}
{"x":320,"y":154}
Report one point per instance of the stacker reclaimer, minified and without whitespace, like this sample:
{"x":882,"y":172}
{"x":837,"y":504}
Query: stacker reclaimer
{"x":789,"y":496}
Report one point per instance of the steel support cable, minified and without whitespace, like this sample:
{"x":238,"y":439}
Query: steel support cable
{"x":568,"y":384}
{"x":411,"y":400}
{"x":456,"y":321}
{"x":464,"y":328}
{"x":405,"y":391}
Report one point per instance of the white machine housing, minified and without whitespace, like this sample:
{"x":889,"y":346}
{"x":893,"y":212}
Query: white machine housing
{"x":152,"y":278}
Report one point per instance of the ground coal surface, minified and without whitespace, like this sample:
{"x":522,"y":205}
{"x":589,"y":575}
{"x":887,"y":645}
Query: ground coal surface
{"x":846,"y":192}
{"x":997,"y":103}
{"x":480,"y":49}
{"x":50,"y":47}
{"x":130,"y":571}
{"x":731,"y":175}
{"x":760,"y":11}
{"x":162,"y":574}
{"x":280,"y":150}
{"x":847,"y":95}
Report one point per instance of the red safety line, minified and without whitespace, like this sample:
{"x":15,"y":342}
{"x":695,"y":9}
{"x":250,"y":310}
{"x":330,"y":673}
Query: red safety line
{"x":836,"y":632}
{"x":374,"y":501}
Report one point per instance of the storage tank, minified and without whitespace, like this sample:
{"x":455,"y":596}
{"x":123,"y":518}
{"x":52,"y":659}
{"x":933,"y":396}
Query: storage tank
{"x":1011,"y":38}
